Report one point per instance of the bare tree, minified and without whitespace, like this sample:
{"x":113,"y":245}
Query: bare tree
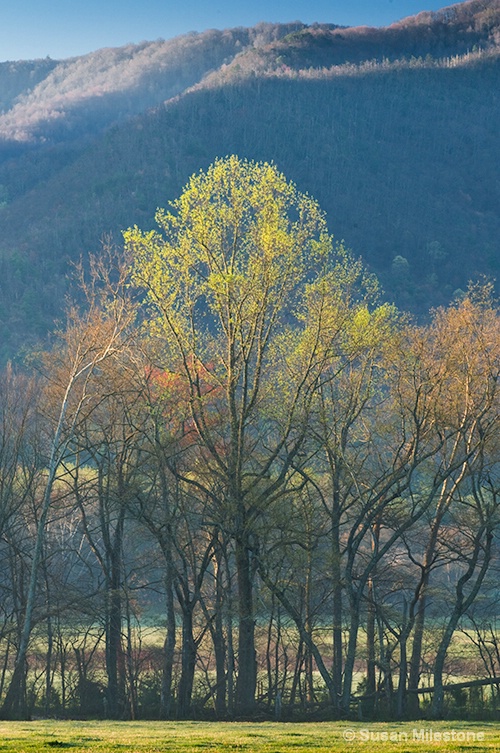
{"x":89,"y":340}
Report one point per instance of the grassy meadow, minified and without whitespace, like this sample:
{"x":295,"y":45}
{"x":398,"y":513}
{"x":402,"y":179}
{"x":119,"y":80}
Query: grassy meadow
{"x":265,"y":737}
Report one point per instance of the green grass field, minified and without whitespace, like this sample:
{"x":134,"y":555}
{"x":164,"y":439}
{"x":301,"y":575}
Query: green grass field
{"x":266,"y":737}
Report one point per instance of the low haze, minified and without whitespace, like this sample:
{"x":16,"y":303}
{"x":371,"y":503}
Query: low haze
{"x":32,"y":29}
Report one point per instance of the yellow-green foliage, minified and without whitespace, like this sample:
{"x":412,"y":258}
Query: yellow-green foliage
{"x":238,"y":241}
{"x":242,"y":276}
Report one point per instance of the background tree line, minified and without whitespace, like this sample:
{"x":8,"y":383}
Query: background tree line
{"x":238,"y":483}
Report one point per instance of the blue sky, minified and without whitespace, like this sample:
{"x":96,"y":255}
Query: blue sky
{"x":63,"y":28}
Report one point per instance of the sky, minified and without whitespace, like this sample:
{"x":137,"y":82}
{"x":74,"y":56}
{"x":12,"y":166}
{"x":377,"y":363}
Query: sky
{"x":60,"y":29}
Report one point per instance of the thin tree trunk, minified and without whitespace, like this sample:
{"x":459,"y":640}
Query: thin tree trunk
{"x":351,"y":653}
{"x":14,"y":705}
{"x":337,"y":616}
{"x":403,"y":665}
{"x":219,"y":641}
{"x":371,"y":684}
{"x":461,"y":605}
{"x":169,"y":644}
{"x":271,"y":688}
{"x":299,"y":662}
{"x":133,"y":703}
{"x":230,"y":638}
{"x":114,"y":648}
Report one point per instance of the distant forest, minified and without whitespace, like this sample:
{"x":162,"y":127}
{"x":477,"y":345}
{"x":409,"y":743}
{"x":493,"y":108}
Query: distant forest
{"x":394,"y":131}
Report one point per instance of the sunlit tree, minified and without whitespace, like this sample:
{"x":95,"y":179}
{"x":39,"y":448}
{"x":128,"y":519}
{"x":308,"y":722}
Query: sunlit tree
{"x":226,"y":279}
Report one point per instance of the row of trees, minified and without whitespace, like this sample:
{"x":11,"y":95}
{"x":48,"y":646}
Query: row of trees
{"x":237,"y":446}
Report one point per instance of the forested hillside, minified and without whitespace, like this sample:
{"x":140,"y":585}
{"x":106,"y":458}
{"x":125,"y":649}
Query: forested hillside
{"x":88,"y":93}
{"x":18,"y":77}
{"x":394,"y":131}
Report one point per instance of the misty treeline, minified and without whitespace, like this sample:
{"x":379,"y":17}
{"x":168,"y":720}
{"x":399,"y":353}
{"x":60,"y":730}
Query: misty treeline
{"x":238,"y":484}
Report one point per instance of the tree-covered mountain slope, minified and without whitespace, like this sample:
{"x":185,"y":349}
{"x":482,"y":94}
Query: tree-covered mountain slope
{"x":88,"y":93}
{"x":400,"y":148}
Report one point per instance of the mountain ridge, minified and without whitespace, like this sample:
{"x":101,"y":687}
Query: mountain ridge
{"x":138,"y":76}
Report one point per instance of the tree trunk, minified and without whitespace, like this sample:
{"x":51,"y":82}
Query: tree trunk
{"x":113,"y":655}
{"x":114,"y":648}
{"x":337,"y":615}
{"x":219,"y":642}
{"x":14,"y":705}
{"x":247,"y":663}
{"x":230,"y":638}
{"x":169,"y":644}
{"x":188,"y":663}
{"x":351,"y":655}
{"x":371,"y":684}
{"x":403,"y":666}
{"x":462,"y":603}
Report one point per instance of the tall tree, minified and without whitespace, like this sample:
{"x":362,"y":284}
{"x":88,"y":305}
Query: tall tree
{"x":461,"y":349}
{"x":225,"y":282}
